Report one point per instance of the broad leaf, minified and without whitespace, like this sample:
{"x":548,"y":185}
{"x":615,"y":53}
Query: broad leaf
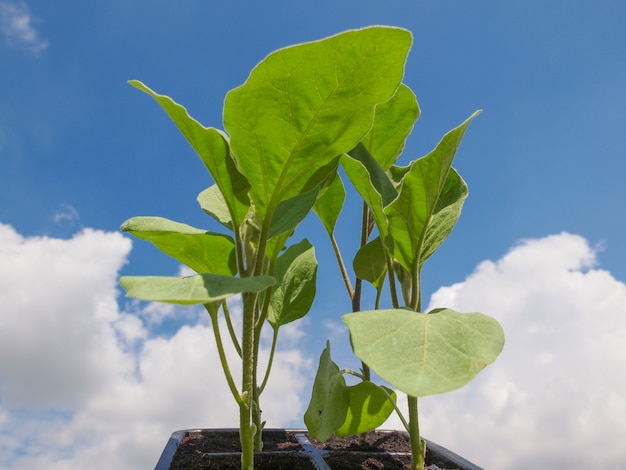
{"x":329,"y":399}
{"x":425,"y":354}
{"x":198,"y":289}
{"x":304,"y":106}
{"x":410,"y":214}
{"x":369,"y":408}
{"x":213,"y":148}
{"x":393,"y":123}
{"x":293,"y":295}
{"x":202,"y":251}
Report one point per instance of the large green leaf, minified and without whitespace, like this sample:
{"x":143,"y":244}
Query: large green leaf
{"x":213,"y":148}
{"x":329,"y":399}
{"x":393,"y":123}
{"x":198,"y":289}
{"x":292,"y":211}
{"x":421,"y":189}
{"x":304,"y":106}
{"x":202,"y":251}
{"x":369,"y":408}
{"x":425,"y":354}
{"x":293,"y":296}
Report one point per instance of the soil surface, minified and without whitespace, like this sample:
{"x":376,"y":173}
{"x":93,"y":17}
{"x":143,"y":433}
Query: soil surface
{"x":381,"y":450}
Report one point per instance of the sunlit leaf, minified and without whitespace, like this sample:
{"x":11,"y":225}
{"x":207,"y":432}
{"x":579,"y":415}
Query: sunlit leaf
{"x":369,"y":407}
{"x":304,"y":106}
{"x":370,"y":263}
{"x":329,"y":203}
{"x":425,"y":354}
{"x":202,"y":251}
{"x":198,"y":289}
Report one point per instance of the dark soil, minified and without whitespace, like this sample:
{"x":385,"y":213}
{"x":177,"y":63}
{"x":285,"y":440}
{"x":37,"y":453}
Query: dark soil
{"x":382,"y":450}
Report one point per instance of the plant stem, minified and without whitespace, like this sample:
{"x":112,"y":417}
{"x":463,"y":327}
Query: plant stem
{"x":246,"y":431}
{"x":222,"y":354}
{"x":418,"y":449}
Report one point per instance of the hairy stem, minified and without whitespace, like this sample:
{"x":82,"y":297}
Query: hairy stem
{"x":418,"y":449}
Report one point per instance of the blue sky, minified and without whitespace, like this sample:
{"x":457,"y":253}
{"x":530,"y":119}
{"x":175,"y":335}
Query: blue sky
{"x":81,"y":151}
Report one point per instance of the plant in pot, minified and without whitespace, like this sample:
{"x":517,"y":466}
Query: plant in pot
{"x":302,"y":112}
{"x":287,"y":126}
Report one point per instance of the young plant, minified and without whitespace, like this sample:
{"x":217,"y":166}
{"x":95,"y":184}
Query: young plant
{"x":412,"y":210}
{"x":286,"y":128}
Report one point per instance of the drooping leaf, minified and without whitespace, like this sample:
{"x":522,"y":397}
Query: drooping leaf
{"x":213,"y":148}
{"x":409,"y":215}
{"x":393,"y":123}
{"x":425,"y":354}
{"x":295,"y":272}
{"x":329,"y":203}
{"x":304,"y":106}
{"x":202,"y":251}
{"x":370,"y":263}
{"x":198,"y":289}
{"x":329,"y":399}
{"x":369,"y":408}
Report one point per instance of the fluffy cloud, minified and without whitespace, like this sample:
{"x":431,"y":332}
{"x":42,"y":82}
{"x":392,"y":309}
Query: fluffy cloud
{"x":85,"y":385}
{"x":555,"y":396}
{"x":16,"y":25}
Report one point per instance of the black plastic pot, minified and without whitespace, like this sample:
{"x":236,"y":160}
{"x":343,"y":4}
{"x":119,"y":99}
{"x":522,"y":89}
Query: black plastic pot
{"x":219,"y":449}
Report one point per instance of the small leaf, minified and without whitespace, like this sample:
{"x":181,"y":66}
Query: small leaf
{"x":291,"y":212}
{"x":293,"y":296}
{"x":329,"y":399}
{"x":370,"y":263}
{"x":212,"y":202}
{"x":329,"y":203}
{"x":369,"y":408}
{"x":198,"y":289}
{"x":425,"y":354}
{"x":202,"y":251}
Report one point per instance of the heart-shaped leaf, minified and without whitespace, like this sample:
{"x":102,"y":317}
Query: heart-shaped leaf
{"x":369,"y":408}
{"x":425,"y":354}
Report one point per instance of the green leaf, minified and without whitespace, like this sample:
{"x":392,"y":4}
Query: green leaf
{"x":329,"y":399}
{"x":213,"y":148}
{"x":372,"y":183}
{"x":425,"y":354}
{"x":393,"y":123}
{"x":292,"y":211}
{"x":202,"y":251}
{"x":370,"y":263}
{"x":329,"y":203}
{"x":304,"y":106}
{"x":446,"y":215}
{"x":295,"y":272}
{"x":198,"y":289}
{"x":369,"y":408}
{"x":410,"y":214}
{"x":212,"y":202}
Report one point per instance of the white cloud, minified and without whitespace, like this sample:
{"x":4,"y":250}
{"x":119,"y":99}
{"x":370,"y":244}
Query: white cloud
{"x":555,"y":396}
{"x":66,"y":214}
{"x":83,"y":385}
{"x":16,"y":25}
